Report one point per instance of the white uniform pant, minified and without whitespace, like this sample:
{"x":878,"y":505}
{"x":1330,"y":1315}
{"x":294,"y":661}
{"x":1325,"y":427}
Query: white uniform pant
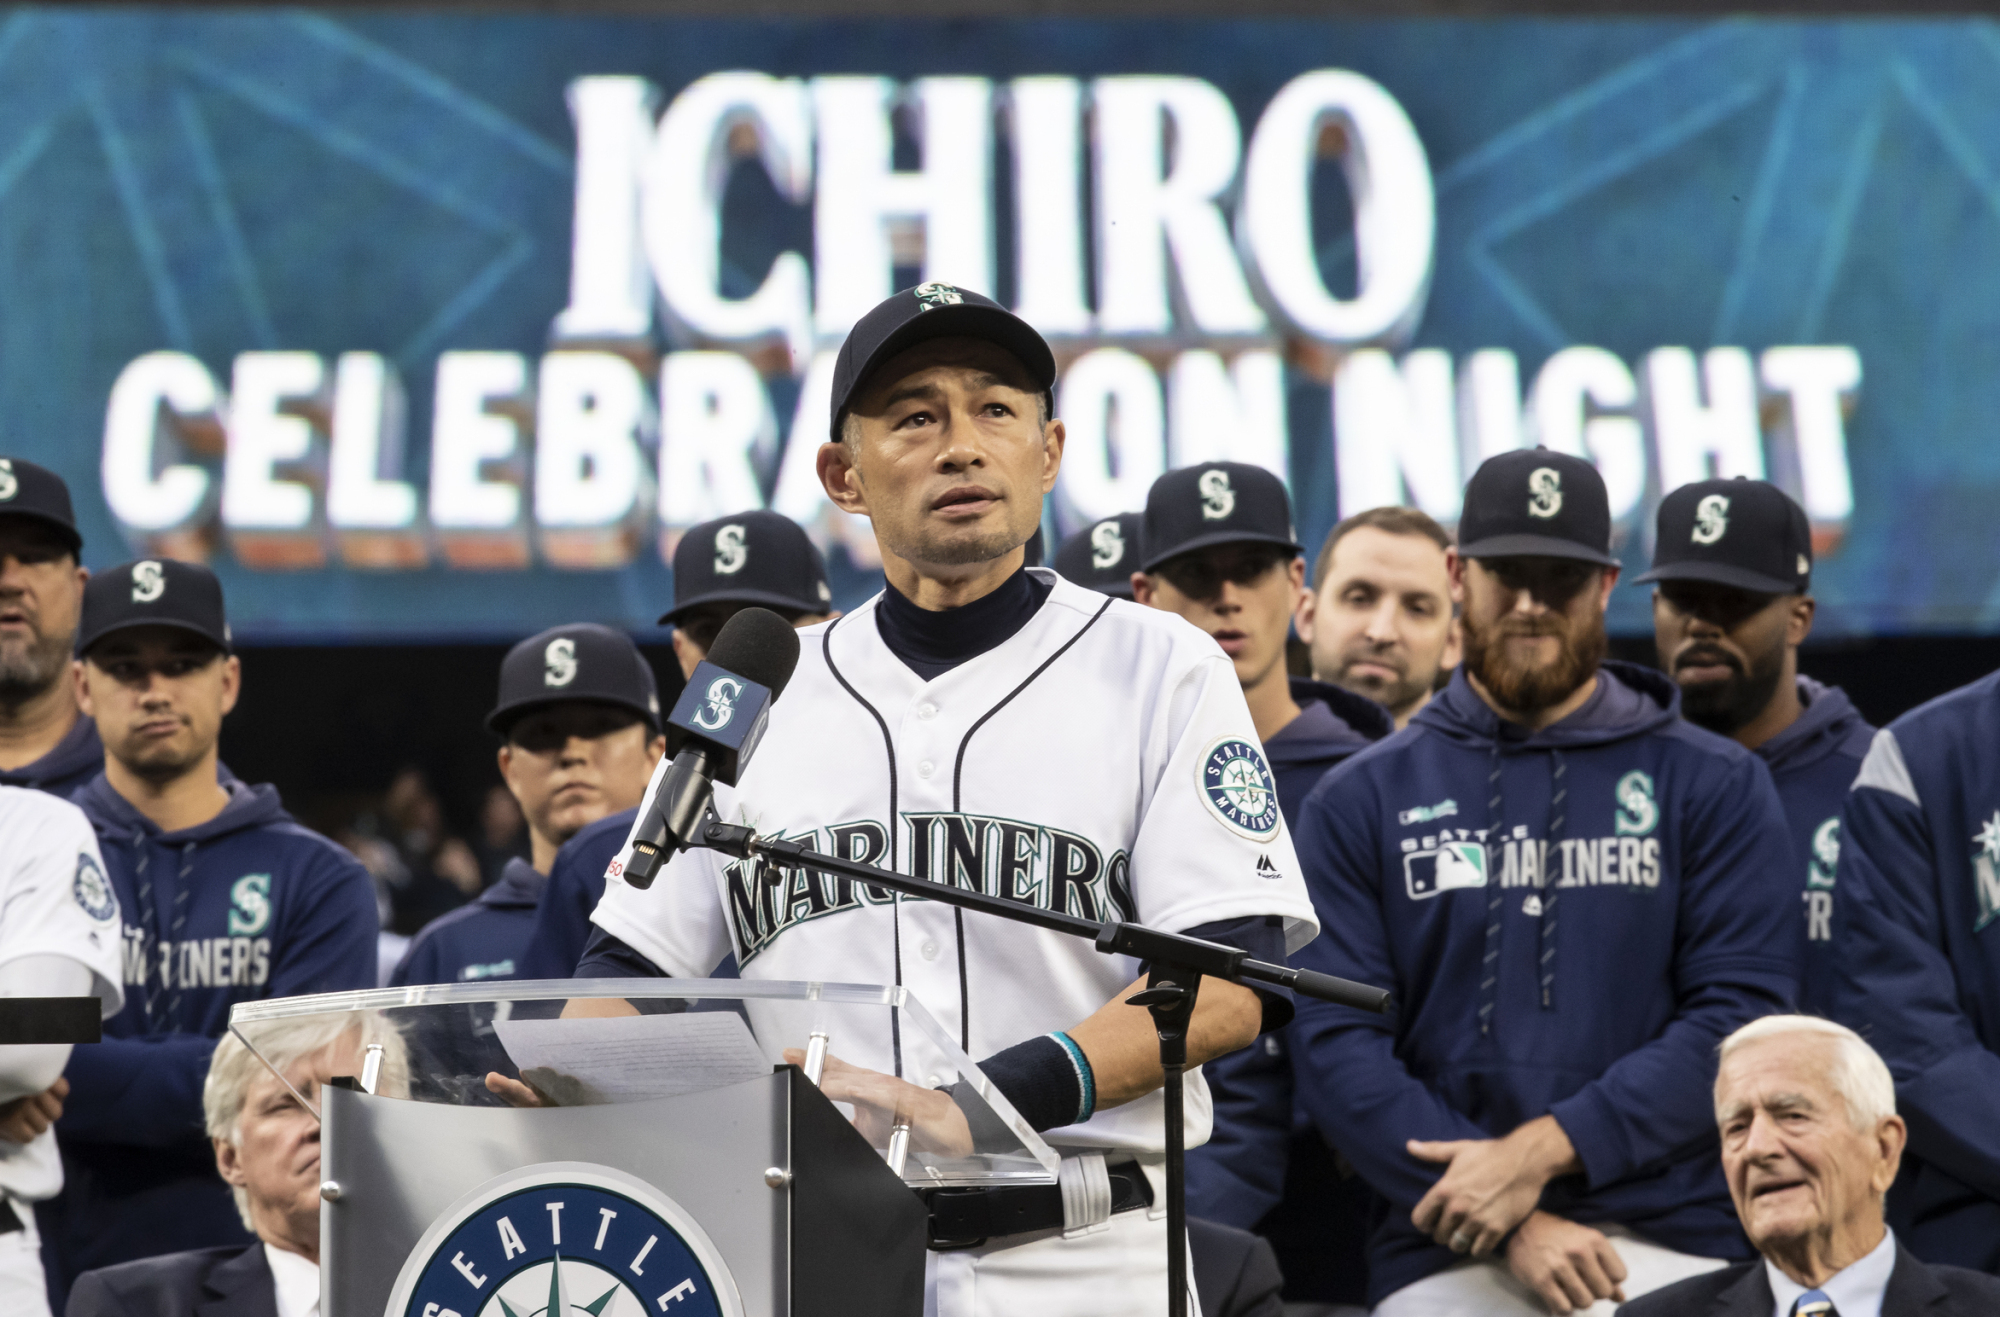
{"x":1483,"y":1287}
{"x":24,"y":1290}
{"x":1117,"y":1272}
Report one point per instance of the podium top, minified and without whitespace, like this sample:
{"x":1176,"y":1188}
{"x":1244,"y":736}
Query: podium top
{"x":877,"y":1053}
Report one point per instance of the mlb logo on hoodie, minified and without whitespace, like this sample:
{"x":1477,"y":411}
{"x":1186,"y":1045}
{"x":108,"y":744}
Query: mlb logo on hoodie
{"x":1453,"y":864}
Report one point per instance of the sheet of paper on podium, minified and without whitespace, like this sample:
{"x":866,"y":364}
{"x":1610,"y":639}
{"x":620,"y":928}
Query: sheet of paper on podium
{"x":628,"y":1058}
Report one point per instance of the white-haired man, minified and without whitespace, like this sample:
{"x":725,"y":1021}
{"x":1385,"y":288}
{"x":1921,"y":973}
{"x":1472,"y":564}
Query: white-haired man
{"x":1810,"y":1144}
{"x":267,"y":1149}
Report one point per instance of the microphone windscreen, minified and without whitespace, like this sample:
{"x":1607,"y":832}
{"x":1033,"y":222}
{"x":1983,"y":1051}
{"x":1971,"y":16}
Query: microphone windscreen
{"x":758,"y":645}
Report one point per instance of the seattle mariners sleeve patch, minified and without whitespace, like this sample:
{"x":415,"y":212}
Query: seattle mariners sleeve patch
{"x":1239,"y":789}
{"x":93,"y":890}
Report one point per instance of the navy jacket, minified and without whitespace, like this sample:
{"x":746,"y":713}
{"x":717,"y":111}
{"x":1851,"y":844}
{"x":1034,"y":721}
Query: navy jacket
{"x":209,"y":1282}
{"x":1264,"y":1153}
{"x":247,"y":906}
{"x":480,"y":941}
{"x":1627,"y":874}
{"x":1744,"y":1290}
{"x":562,"y":926}
{"x":1813,"y":763}
{"x":1918,"y":967}
{"x":66,"y":769}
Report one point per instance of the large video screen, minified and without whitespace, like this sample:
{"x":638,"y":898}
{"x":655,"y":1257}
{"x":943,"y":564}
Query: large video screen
{"x":447,"y":325}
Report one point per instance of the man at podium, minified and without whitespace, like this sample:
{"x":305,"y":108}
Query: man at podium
{"x":986,"y":724}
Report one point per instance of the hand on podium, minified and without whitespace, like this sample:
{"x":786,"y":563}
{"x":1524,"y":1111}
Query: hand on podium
{"x":881,"y":1102}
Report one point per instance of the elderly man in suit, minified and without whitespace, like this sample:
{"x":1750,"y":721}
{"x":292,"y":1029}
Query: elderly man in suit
{"x":267,"y":1151}
{"x":1810,"y":1144}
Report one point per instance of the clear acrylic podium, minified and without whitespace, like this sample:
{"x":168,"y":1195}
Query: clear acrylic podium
{"x":665,"y":1162}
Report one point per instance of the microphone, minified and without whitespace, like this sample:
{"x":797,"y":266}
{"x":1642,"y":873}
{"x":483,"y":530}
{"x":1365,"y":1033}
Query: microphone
{"x":713,"y":730}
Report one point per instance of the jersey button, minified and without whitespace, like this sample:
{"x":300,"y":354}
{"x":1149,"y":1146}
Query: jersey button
{"x":926,"y":768}
{"x":929,"y":950}
{"x":927,"y":711}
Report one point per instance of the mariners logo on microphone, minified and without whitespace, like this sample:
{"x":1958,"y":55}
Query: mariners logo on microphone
{"x":1238,"y":786}
{"x":562,"y":1238}
{"x":720,"y":704}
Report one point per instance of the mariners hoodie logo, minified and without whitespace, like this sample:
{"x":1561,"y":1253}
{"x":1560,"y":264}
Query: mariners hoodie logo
{"x":1825,"y":853}
{"x":1711,"y":519}
{"x":1107,"y":544}
{"x":561,"y":1238}
{"x":1218,"y":499}
{"x":1239,"y":788}
{"x":1638,"y":815}
{"x":730,"y":550}
{"x":1986,"y":870}
{"x":250,"y":905}
{"x":1545,"y":492}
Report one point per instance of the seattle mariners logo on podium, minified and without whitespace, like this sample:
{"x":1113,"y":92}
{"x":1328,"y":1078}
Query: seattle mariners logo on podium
{"x":564,"y":1239}
{"x":1239,"y":788}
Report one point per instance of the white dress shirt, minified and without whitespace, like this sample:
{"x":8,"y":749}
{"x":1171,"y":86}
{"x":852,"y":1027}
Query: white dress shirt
{"x":297,"y":1280}
{"x":1856,"y":1289}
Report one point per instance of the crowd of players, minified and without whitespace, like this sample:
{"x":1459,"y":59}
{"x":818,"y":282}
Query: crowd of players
{"x":1576,"y":876}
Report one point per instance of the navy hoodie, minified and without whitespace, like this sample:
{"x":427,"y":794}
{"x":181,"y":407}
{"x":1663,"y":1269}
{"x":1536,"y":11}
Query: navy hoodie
{"x":1263,"y":1153}
{"x":480,"y":941}
{"x":1813,"y":763}
{"x":1918,"y":971}
{"x":246,"y":906}
{"x":66,"y":768}
{"x":1666,"y":920}
{"x":562,"y":924}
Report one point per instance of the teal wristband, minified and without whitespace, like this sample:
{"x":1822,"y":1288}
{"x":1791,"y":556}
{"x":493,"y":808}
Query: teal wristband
{"x":1085,"y":1082}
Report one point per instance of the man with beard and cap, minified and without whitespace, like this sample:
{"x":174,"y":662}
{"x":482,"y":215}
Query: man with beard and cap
{"x":1575,"y":895}
{"x":721,"y":567}
{"x":44,"y":742}
{"x":1732,"y":566}
{"x":1220,"y":551}
{"x":579,"y":722}
{"x":1102,"y":555}
{"x":225,"y":899}
{"x":1378,"y":618}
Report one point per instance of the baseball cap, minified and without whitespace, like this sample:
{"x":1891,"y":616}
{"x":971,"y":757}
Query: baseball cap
{"x":29,"y":490}
{"x":581,"y":661}
{"x":1533,"y":502}
{"x":1740,"y":532}
{"x":153,"y":592}
{"x":750,"y":558}
{"x":1103,"y":555}
{"x":1215,"y":503}
{"x":932,"y":310}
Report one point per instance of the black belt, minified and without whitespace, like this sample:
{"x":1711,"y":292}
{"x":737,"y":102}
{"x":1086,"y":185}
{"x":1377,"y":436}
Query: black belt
{"x":9,"y":1222}
{"x":967,"y":1218}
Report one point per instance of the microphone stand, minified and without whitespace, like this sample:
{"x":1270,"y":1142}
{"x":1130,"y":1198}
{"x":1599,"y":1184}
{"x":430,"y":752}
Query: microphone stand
{"x":1176,"y":964}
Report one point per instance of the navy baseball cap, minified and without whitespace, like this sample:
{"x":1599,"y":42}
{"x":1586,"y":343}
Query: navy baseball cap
{"x":153,"y":592}
{"x":1103,"y":555}
{"x":932,"y":310}
{"x":29,"y":490}
{"x":1535,"y":503}
{"x":1215,"y":503}
{"x":751,"y":558}
{"x":581,"y":661}
{"x":1744,"y":533}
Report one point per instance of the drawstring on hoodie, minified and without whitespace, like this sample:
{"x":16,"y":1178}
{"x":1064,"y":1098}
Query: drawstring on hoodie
{"x":1489,"y":983}
{"x":1547,"y":939}
{"x":155,"y":966}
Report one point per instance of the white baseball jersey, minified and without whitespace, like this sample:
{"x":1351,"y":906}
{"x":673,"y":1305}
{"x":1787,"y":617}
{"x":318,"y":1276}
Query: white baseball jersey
{"x":1101,"y":761}
{"x":54,"y":901}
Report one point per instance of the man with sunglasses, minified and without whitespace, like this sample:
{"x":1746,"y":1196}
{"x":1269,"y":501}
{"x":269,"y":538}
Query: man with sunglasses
{"x":1732,"y":567}
{"x":225,"y":899}
{"x":1575,"y":896}
{"x":579,"y":722}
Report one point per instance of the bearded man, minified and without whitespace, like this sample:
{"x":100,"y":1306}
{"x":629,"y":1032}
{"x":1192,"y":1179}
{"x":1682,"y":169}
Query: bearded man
{"x":1733,"y":567}
{"x":45,"y":743}
{"x":1575,"y":896}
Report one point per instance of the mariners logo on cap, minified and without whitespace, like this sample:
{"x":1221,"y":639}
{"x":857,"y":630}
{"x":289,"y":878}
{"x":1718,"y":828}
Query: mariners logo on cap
{"x":934,"y":295}
{"x":1107,"y":545}
{"x":92,"y":891}
{"x":1238,"y":786}
{"x":730,"y":550}
{"x":559,"y":662}
{"x":560,"y":1238}
{"x":1545,"y":492}
{"x":10,"y":484}
{"x":1218,"y":499}
{"x":149,"y":581}
{"x":1711,"y":519}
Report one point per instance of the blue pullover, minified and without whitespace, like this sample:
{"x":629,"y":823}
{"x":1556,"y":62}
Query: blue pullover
{"x":480,"y":941}
{"x":1625,"y":876}
{"x":562,"y":924}
{"x":65,"y":769}
{"x":246,"y":906}
{"x":1918,"y":970}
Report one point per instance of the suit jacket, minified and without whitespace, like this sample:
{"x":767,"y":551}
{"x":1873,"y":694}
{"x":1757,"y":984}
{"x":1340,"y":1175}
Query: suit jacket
{"x":1235,"y":1272}
{"x":207,"y":1282}
{"x":1915,"y":1290}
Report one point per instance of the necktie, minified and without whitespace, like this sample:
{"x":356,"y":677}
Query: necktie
{"x":1814,"y":1303}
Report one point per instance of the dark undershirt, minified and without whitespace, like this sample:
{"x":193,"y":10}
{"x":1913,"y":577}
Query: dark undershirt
{"x":933,"y":642}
